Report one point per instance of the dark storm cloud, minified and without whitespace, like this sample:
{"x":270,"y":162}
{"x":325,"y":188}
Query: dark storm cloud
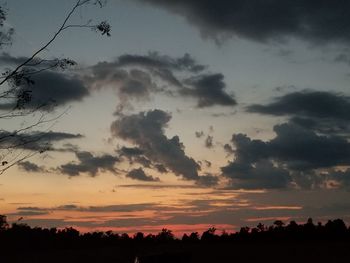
{"x":130,"y":151}
{"x":342,"y":177}
{"x":292,"y":156}
{"x":324,"y":125}
{"x":35,"y":140}
{"x":156,"y":61}
{"x":146,"y":130}
{"x":304,"y":149}
{"x":261,"y":175}
{"x":139,"y":174}
{"x":31,"y":167}
{"x":163,"y":67}
{"x":228,"y":149}
{"x":136,"y":155}
{"x":318,"y":110}
{"x":138,"y":77}
{"x":144,"y":161}
{"x":137,"y":84}
{"x":310,"y":20}
{"x":50,"y":89}
{"x":160,"y":168}
{"x":318,"y":104}
{"x":207,"y":180}
{"x":89,"y":164}
{"x":210,"y":90}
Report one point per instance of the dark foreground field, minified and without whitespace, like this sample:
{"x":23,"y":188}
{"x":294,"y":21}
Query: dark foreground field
{"x":292,"y":243}
{"x":219,"y":252}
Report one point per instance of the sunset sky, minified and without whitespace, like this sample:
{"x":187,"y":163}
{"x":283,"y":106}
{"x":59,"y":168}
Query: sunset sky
{"x":192,"y":114}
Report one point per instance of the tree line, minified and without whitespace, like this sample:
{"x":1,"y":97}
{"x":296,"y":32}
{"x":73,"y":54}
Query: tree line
{"x":20,"y":235}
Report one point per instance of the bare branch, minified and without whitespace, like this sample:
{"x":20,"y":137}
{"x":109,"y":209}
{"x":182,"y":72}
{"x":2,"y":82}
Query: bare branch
{"x":63,"y":27}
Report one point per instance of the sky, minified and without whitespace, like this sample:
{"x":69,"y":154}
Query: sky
{"x":192,"y":114}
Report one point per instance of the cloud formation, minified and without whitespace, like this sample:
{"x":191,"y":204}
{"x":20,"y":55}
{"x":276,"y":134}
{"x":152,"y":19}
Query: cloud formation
{"x":209,"y":142}
{"x":209,"y":89}
{"x":49,"y":89}
{"x":31,"y":167}
{"x":321,"y":111}
{"x":318,"y":104}
{"x":294,"y":156}
{"x":138,"y":77}
{"x":35,"y":140}
{"x":259,"y":20}
{"x":139,"y":174}
{"x":90,"y":164}
{"x":146,"y":131}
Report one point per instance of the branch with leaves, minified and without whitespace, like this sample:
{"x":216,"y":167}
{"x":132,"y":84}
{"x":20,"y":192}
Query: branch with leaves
{"x":12,"y":81}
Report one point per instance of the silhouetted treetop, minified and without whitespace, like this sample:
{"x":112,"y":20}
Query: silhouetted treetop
{"x":21,"y":235}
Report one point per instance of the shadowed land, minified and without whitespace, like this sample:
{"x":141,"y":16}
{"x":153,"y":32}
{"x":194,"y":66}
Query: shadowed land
{"x":292,"y":242}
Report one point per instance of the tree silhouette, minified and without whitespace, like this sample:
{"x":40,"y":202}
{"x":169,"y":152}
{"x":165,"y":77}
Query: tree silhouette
{"x":334,"y":236}
{"x":16,"y":86}
{"x":3,"y":223}
{"x":165,"y":235}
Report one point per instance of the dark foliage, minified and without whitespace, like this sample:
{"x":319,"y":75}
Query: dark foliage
{"x":41,"y":244}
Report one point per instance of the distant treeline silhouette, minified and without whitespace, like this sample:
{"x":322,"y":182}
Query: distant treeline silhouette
{"x":20,"y":235}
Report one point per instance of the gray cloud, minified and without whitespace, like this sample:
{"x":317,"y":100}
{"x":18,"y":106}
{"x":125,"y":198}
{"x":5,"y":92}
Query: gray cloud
{"x":341,"y":177}
{"x":209,"y":89}
{"x":31,"y":167}
{"x":50,"y":89}
{"x":209,"y":142}
{"x":35,"y":140}
{"x":138,"y":77}
{"x":89,"y":164}
{"x":317,"y":104}
{"x":163,"y":67}
{"x":146,"y":130}
{"x":309,"y":20}
{"x":305,"y":149}
{"x":156,"y":61}
{"x":262,"y":175}
{"x":127,"y":151}
{"x":199,"y":134}
{"x":228,"y":149}
{"x":314,"y":139}
{"x":293,"y":156}
{"x":136,"y":155}
{"x":207,"y":180}
{"x":160,"y":168}
{"x":325,"y":112}
{"x":158,"y":186}
{"x":29,"y":213}
{"x":139,"y":174}
{"x":31,"y":208}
